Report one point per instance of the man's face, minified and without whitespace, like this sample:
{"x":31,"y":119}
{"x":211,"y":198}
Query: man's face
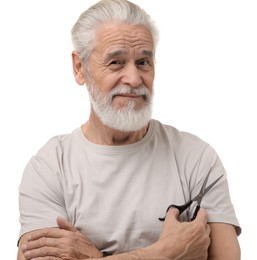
{"x":122,"y":73}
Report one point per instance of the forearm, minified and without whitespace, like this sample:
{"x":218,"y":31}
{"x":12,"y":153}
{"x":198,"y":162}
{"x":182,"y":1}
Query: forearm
{"x":150,"y":252}
{"x":224,"y":243}
{"x":177,"y":241}
{"x":20,"y":255}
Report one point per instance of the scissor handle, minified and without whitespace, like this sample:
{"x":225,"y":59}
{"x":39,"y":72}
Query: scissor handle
{"x":181,"y":208}
{"x":195,"y":212}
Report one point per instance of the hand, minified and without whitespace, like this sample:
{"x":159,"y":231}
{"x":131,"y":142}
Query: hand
{"x":184,"y":240}
{"x":65,"y":242}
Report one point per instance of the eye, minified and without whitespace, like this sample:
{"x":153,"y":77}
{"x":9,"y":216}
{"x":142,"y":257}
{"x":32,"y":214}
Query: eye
{"x":116,"y":64}
{"x":144,"y":64}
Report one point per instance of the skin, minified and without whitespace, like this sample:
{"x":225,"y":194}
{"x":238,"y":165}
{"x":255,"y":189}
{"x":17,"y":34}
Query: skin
{"x":177,"y":241}
{"x":124,"y":54}
{"x":66,"y":243}
{"x":224,"y":242}
{"x":181,"y":241}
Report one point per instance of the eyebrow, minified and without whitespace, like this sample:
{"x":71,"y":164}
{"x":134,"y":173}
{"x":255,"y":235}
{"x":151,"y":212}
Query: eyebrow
{"x":118,"y":53}
{"x":147,"y":53}
{"x":114,"y":54}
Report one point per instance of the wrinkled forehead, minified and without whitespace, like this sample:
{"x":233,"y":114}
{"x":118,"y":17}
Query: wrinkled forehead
{"x":128,"y":38}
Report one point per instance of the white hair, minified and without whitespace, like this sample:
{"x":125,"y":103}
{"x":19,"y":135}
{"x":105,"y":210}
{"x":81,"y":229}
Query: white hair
{"x":105,"y":11}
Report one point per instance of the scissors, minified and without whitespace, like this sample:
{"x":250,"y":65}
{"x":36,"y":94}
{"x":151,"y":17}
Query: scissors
{"x":198,"y":198}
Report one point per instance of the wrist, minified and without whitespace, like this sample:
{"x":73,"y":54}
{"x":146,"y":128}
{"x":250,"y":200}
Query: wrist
{"x":162,"y":251}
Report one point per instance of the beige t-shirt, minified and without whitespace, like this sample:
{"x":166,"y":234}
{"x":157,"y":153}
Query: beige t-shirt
{"x":115,"y":194}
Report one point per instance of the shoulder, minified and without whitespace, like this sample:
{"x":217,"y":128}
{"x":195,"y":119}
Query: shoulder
{"x":52,"y":152}
{"x":45,"y":168}
{"x":186,"y":147}
{"x":58,"y":143}
{"x":179,"y":139}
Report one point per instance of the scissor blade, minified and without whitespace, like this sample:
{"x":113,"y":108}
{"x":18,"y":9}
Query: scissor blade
{"x":207,"y":189}
{"x":199,"y":197}
{"x":204,"y":183}
{"x":212,"y":184}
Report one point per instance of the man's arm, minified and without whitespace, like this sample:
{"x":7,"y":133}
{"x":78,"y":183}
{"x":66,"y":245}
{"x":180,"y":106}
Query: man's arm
{"x":23,"y":240}
{"x":224,"y":242}
{"x":65,"y":242}
{"x":177,"y":241}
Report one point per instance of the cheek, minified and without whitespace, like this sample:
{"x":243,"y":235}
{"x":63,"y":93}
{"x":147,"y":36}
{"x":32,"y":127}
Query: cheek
{"x":97,"y":71}
{"x":109,"y":81}
{"x":148,"y":81}
{"x":105,"y":83}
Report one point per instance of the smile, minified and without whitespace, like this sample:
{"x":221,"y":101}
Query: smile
{"x":128,"y":95}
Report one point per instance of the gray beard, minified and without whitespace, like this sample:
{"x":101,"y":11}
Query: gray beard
{"x":126,"y":118}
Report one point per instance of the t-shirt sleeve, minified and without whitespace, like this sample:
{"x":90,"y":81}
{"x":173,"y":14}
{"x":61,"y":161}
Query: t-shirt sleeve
{"x":41,"y":198}
{"x":217,"y":200}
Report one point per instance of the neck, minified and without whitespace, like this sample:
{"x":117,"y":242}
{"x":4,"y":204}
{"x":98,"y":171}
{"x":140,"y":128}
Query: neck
{"x":98,"y":133}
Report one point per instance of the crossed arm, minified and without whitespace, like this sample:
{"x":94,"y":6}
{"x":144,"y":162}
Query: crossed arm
{"x":194,"y":240}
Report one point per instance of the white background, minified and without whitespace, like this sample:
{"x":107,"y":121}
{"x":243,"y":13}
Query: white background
{"x":206,"y":76}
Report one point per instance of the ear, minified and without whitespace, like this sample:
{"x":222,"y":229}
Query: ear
{"x":78,"y":68}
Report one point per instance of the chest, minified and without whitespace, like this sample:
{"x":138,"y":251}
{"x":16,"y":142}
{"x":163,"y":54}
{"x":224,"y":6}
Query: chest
{"x":117,"y":201}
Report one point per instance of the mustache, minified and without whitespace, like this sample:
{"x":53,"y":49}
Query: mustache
{"x":141,"y":90}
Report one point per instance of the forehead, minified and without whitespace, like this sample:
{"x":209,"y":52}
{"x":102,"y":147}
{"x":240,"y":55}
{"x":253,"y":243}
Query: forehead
{"x":126,"y":38}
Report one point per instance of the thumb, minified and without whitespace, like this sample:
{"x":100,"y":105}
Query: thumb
{"x":170,"y":223}
{"x":64,"y":224}
{"x":172,"y":214}
{"x":202,"y":215}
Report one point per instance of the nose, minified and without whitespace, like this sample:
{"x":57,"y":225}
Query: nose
{"x":131,"y":76}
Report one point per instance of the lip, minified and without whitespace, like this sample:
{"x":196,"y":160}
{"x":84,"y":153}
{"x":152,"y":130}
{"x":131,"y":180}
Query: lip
{"x":128,"y":95}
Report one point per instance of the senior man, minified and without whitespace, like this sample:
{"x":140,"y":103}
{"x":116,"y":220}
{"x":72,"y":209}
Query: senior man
{"x":100,"y":190}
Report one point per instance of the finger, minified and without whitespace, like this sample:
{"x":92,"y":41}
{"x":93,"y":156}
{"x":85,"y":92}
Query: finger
{"x":45,"y":232}
{"x":172,"y":215}
{"x":208,"y":229}
{"x":64,"y":224}
{"x":173,"y":212}
{"x":202,"y":215}
{"x":44,"y":252}
{"x":41,"y":242}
